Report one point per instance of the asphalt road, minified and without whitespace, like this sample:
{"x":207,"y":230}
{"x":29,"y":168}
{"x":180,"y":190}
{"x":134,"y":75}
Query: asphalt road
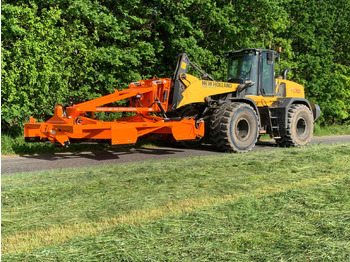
{"x":19,"y":164}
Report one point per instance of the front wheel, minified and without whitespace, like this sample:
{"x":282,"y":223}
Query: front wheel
{"x":234,"y":127}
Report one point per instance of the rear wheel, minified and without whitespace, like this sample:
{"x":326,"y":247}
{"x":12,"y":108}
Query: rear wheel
{"x":300,"y":126}
{"x":234,"y":127}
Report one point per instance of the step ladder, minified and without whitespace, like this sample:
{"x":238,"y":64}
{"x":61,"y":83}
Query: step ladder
{"x":273,"y":119}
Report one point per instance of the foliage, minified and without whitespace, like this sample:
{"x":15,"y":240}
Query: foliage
{"x":321,"y":48}
{"x":331,"y":130}
{"x":212,"y":208}
{"x":57,"y":51}
{"x":78,"y":50}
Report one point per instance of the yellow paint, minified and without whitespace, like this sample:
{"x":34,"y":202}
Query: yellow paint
{"x":183,"y":65}
{"x":197,"y":89}
{"x":263,"y":100}
{"x":292,"y":89}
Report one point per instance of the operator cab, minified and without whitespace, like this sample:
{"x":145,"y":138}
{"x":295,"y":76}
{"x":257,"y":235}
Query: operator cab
{"x":256,"y":65}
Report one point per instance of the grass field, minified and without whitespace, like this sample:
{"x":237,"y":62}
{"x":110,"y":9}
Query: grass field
{"x":284,"y":205}
{"x":17,"y":146}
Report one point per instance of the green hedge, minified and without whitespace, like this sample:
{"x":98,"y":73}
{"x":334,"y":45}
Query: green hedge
{"x":57,"y":51}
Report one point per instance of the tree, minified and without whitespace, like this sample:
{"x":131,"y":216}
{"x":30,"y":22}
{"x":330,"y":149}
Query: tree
{"x":54,"y":51}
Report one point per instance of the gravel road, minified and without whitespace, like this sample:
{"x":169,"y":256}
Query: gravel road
{"x":19,"y":164}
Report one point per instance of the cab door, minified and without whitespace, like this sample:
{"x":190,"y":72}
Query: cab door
{"x":267,"y":74}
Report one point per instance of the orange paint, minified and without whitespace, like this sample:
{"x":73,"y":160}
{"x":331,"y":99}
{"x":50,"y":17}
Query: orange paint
{"x":143,"y":96}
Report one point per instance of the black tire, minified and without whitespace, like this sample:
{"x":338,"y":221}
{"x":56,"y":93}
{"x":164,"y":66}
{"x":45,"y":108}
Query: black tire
{"x":234,"y":127}
{"x":300,"y":126}
{"x":189,"y":111}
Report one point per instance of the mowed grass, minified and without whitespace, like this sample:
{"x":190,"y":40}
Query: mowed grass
{"x":284,"y":205}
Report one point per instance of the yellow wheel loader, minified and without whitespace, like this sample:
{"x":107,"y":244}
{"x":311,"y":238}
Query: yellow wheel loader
{"x":234,"y":113}
{"x":251,"y":102}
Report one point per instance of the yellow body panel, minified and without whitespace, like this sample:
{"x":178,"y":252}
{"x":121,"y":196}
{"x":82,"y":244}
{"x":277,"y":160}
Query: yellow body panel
{"x":292,"y":89}
{"x":197,"y":89}
{"x":263,"y":100}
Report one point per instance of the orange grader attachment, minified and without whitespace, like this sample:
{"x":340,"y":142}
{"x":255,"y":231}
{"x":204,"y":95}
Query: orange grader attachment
{"x":148,"y":99}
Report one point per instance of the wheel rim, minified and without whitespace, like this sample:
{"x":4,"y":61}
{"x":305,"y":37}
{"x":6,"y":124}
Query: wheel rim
{"x":242,"y":129}
{"x":301,"y":127}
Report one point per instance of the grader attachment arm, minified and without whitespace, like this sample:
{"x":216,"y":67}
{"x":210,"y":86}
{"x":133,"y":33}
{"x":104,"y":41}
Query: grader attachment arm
{"x":147,"y":98}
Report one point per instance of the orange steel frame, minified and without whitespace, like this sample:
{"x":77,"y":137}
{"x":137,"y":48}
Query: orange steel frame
{"x":147,"y":99}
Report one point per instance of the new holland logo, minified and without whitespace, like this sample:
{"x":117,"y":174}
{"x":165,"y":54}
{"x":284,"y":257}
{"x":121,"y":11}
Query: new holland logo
{"x":214,"y":84}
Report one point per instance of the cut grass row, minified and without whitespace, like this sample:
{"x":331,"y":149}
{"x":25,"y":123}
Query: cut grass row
{"x":290,"y":204}
{"x":17,"y":146}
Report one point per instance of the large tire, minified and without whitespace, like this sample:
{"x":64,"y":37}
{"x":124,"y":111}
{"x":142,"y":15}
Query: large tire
{"x":300,"y":126}
{"x":189,"y":111}
{"x":234,"y":127}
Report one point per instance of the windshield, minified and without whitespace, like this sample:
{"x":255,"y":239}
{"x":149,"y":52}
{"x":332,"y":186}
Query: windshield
{"x":243,"y":67}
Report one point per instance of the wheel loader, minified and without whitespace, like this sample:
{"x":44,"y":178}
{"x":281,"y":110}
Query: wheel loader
{"x":251,"y":101}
